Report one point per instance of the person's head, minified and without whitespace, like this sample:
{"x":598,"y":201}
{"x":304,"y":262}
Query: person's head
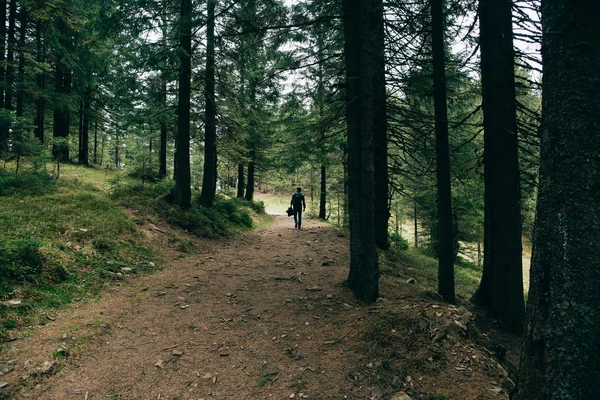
{"x":298,"y":189}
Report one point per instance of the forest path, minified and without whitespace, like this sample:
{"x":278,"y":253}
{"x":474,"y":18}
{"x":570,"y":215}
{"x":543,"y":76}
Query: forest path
{"x":222,"y":322}
{"x":262,"y":315}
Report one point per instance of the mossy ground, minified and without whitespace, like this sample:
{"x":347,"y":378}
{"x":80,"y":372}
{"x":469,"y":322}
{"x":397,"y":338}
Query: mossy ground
{"x":64,"y":240}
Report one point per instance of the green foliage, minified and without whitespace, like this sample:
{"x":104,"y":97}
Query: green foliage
{"x":63,"y":244}
{"x":60,"y":148}
{"x":268,"y":377}
{"x":20,"y":260}
{"x":225,"y":217}
{"x":398,"y":241}
{"x":35,"y":183}
{"x":423,"y":267}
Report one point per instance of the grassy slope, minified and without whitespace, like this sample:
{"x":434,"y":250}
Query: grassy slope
{"x":63,"y":241}
{"x":63,"y":244}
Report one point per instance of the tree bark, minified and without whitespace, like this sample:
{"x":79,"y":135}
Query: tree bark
{"x":442,"y":151}
{"x":561,"y":357}
{"x":321,"y":105}
{"x":209,"y":179}
{"x":84,"y":147}
{"x":363,"y":277}
{"x":10,"y":55}
{"x":61,"y":109}
{"x":250,"y":186}
{"x":240,"y":182}
{"x":323,"y":195}
{"x":3,"y":4}
{"x":382,"y":211}
{"x":40,"y":103}
{"x":501,"y":287}
{"x":182,"y":191}
{"x":162,"y":168}
{"x":416,"y":227}
{"x":96,"y":139}
{"x":21,"y":70}
{"x":254,"y":143}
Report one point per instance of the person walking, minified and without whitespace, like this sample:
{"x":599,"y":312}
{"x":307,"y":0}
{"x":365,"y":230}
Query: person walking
{"x":298,"y":203}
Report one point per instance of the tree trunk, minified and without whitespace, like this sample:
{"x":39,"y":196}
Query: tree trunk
{"x":416,"y":227}
{"x":442,"y":151}
{"x":40,"y":103}
{"x":382,"y":211}
{"x":96,"y":139}
{"x":323,"y":197}
{"x":209,"y":179}
{"x":10,"y":55}
{"x":21,"y":71}
{"x":61,"y":109}
{"x":3,"y":4}
{"x":561,"y":357}
{"x":162,"y":169}
{"x":182,"y":191}
{"x":240,"y":182}
{"x":117,"y":152}
{"x":363,"y":278}
{"x":501,"y":288}
{"x":321,"y":105}
{"x":84,"y":146}
{"x":253,"y":144}
{"x":250,"y":186}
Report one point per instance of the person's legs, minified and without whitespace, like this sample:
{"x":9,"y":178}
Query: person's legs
{"x":295,"y":218}
{"x":299,"y":218}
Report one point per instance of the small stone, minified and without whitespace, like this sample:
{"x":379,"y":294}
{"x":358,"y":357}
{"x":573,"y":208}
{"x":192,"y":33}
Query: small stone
{"x":184,"y":307}
{"x":25,"y":377}
{"x":314,"y":289}
{"x":160,"y":364}
{"x":291,"y":396}
{"x":401,"y":396}
{"x":47,"y":367}
{"x":126,"y":269}
{"x":3,"y":385}
{"x":177,"y":353}
{"x":380,"y":300}
{"x":64,"y":336}
{"x":496,"y":391}
{"x":329,"y":296}
{"x":151,"y":264}
{"x":28,"y":364}
{"x":14,"y":302}
{"x":208,"y":375}
{"x":411,"y":281}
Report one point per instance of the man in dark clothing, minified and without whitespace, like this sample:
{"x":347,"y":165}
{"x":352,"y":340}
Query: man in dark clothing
{"x":299,"y":204}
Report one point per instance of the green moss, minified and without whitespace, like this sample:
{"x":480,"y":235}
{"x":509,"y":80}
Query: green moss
{"x":64,"y":244}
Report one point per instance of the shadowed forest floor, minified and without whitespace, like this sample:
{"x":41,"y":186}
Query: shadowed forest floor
{"x":262,"y":315}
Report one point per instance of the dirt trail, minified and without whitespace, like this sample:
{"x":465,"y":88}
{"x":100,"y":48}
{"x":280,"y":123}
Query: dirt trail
{"x":259,"y":316}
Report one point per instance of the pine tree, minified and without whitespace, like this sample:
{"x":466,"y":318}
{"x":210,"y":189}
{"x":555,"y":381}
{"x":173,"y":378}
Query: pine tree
{"x":444,"y":192}
{"x":182,"y":191}
{"x":561,"y":358}
{"x":363,"y":278}
{"x":501,"y":288}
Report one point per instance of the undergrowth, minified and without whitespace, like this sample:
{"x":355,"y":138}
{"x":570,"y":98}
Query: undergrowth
{"x":227,"y":216}
{"x":60,"y":241}
{"x":424,"y":269}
